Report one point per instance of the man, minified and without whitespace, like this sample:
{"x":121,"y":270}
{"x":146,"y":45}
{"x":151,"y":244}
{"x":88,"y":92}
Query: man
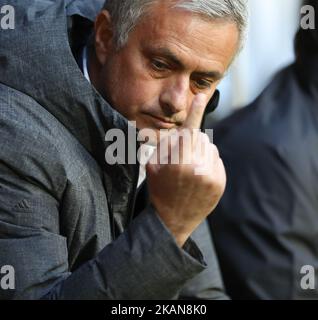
{"x":68,"y":222}
{"x":265,"y":227}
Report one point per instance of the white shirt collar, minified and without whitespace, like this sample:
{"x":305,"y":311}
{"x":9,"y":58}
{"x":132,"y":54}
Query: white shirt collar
{"x":147,"y":152}
{"x":85,"y":64}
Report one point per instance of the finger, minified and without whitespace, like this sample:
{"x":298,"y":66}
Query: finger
{"x":204,"y":153}
{"x":196,"y":113}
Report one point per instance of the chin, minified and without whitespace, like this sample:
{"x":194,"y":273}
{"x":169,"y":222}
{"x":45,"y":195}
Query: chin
{"x":148,"y":135}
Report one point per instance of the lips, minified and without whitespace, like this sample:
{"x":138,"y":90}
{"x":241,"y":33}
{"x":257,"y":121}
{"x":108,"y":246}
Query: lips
{"x":162,"y":123}
{"x":163,"y":119}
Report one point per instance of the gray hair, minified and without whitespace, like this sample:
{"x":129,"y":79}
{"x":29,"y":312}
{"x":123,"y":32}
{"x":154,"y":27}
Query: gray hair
{"x":126,"y":13}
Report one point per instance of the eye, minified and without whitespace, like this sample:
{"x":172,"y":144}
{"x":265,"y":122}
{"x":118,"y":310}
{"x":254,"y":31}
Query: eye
{"x":158,"y":65}
{"x":203,"y":84}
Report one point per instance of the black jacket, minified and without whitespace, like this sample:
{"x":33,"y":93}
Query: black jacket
{"x":266,"y":226}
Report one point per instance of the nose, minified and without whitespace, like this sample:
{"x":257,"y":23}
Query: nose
{"x":174,"y":96}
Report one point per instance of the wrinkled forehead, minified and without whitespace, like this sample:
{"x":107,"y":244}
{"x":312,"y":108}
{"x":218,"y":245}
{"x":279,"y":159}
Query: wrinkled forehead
{"x":187,"y":33}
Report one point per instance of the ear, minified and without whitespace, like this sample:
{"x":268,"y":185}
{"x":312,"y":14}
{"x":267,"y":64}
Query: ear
{"x":103,"y":36}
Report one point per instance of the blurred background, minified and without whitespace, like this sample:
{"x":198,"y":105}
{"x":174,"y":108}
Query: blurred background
{"x":269,"y":48}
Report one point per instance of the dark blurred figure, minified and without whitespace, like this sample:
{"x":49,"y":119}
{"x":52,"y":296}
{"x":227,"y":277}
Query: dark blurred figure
{"x":266,"y":226}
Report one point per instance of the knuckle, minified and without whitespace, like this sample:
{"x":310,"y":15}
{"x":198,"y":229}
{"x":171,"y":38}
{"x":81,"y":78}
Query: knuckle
{"x":204,"y":137}
{"x":215,"y":151}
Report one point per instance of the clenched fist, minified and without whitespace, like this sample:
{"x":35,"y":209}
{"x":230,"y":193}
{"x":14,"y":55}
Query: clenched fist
{"x":184,"y":194}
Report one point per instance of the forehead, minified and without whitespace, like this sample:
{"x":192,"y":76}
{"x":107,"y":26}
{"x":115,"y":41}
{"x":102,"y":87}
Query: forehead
{"x":197,"y":41}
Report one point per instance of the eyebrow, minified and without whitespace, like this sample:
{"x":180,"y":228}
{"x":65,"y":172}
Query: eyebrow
{"x":169,"y":55}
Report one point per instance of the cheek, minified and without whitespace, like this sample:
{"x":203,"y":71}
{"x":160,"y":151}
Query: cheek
{"x":135,"y":95}
{"x":130,"y":87}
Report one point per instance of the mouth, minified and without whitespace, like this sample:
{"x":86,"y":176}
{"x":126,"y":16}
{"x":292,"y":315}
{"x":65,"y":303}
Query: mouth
{"x":162,"y":123}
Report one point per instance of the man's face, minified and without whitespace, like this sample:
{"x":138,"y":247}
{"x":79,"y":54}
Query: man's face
{"x":170,"y":56}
